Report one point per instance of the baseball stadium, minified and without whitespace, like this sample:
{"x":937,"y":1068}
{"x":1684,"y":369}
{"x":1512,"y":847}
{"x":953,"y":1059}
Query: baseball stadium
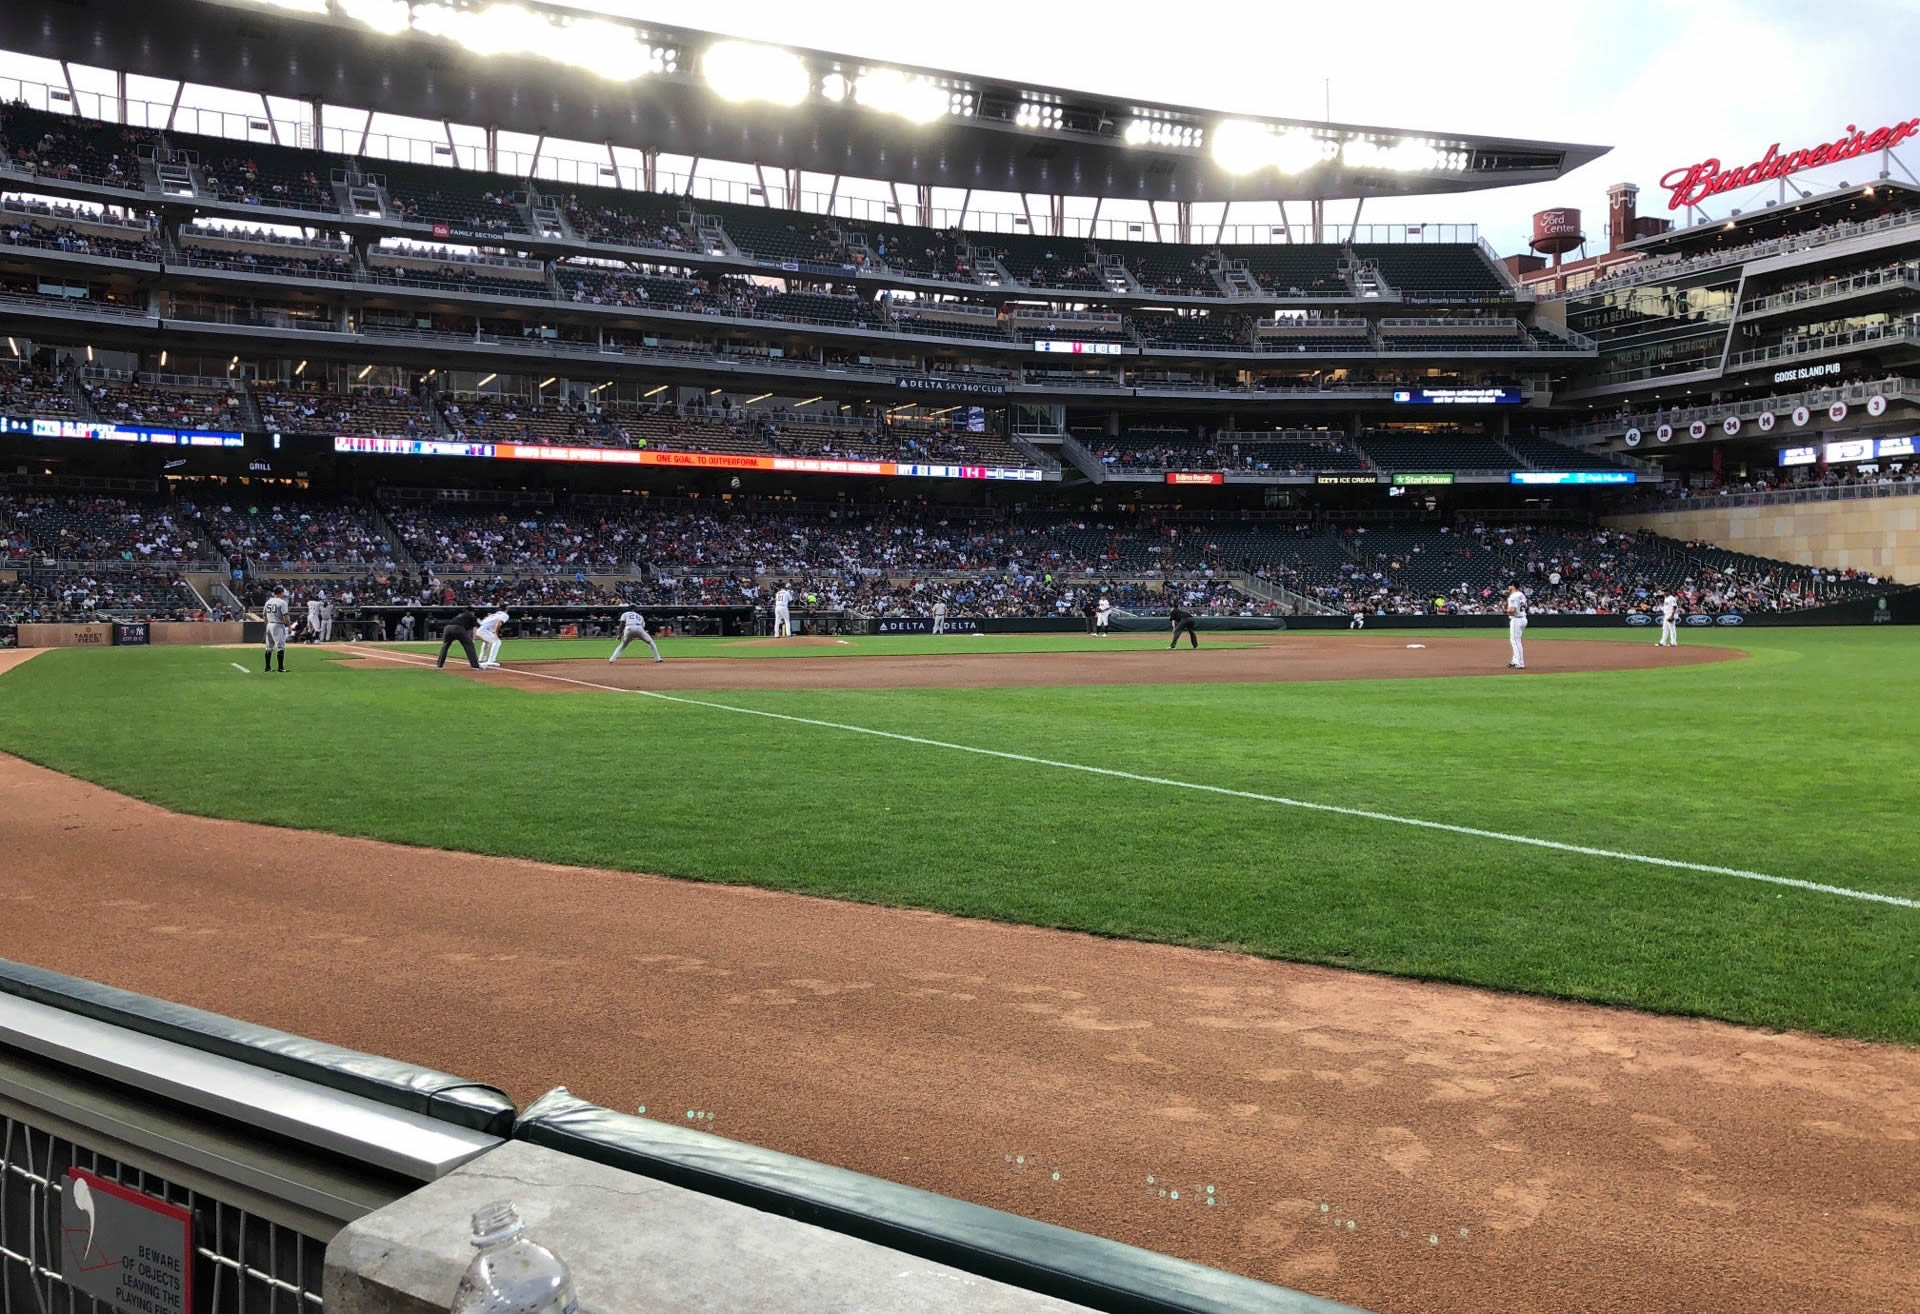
{"x":943,"y":693}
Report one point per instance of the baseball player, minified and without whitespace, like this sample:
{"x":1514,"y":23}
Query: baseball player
{"x":1669,"y":622}
{"x":940,"y":618}
{"x":1182,"y":621}
{"x":489,"y":636}
{"x":313,"y":620}
{"x":1517,"y":626}
{"x":1359,"y":621}
{"x":782,"y":617}
{"x":276,"y":612}
{"x":633,"y":626}
{"x":1102,"y":613}
{"x":459,"y":630}
{"x":326,"y":619}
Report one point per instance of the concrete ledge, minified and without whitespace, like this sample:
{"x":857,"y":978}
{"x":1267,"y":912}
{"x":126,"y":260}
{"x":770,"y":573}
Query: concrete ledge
{"x":639,"y":1246}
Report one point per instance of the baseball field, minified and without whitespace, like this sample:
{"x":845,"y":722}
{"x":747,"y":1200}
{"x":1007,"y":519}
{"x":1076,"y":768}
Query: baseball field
{"x":1720,"y":832}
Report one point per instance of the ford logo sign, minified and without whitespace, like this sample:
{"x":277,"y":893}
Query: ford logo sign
{"x":1639,"y":620}
{"x":1728,"y":619}
{"x":1699,"y":620}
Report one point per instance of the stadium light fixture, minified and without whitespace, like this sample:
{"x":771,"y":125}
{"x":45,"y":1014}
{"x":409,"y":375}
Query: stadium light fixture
{"x":1242,"y":146}
{"x":299,"y":369}
{"x":387,"y":17}
{"x":363,"y":373}
{"x":655,"y":393}
{"x":751,"y":400}
{"x":1037,"y":114}
{"x":914,"y":98}
{"x":746,"y":70}
{"x":1160,"y":132}
{"x":612,"y":50}
{"x":796,"y":406}
{"x":549,"y":382}
{"x":1405,"y":155}
{"x":483,"y":383}
{"x":298,"y":6}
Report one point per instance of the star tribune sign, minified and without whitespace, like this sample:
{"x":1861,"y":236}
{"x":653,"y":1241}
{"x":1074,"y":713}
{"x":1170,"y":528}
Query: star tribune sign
{"x":1691,"y":184}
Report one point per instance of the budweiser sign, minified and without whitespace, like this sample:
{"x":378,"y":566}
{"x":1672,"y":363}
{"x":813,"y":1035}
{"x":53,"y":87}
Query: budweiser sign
{"x":1694,"y":183}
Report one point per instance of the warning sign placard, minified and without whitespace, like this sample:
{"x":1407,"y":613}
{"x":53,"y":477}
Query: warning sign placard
{"x":125,"y":1248}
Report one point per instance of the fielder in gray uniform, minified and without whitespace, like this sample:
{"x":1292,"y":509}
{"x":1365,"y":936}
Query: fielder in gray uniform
{"x":633,"y":626}
{"x":276,"y":612}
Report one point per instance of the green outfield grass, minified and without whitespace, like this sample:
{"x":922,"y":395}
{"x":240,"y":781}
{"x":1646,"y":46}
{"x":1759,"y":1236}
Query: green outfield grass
{"x":1796,"y":763}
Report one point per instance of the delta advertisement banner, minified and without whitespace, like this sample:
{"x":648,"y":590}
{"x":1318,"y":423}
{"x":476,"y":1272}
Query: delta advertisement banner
{"x":923,"y":625}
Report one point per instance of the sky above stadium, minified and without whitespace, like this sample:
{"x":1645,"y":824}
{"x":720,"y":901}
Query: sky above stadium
{"x":1664,"y":83}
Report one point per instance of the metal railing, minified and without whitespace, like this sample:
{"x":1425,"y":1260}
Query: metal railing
{"x":1900,"y":331}
{"x":1907,"y":276}
{"x":1815,"y":400}
{"x":1654,"y":271}
{"x":1781,"y":497}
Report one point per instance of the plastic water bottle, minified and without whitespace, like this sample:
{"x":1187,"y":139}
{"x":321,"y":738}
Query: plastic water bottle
{"x":512,"y":1275}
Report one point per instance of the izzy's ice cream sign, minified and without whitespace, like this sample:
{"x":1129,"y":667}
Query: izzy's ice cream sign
{"x":1694,"y":183}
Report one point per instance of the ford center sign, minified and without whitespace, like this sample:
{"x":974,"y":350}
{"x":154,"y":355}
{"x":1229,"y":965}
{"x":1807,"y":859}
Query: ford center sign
{"x":1699,"y":620}
{"x":1639,"y":618}
{"x":1731,"y":618}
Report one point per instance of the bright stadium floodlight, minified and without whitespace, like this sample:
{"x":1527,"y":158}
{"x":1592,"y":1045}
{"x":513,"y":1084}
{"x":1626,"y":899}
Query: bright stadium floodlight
{"x":835,"y":87}
{"x":297,"y":6}
{"x":745,"y":70}
{"x":1241,"y":146}
{"x":915,"y":99}
{"x":387,"y":17}
{"x":1407,"y":155}
{"x":1037,"y":114}
{"x":611,"y":50}
{"x":1159,"y":132}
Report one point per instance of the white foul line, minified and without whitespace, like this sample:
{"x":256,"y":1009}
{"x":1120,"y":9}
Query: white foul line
{"x":244,"y":670}
{"x":1816,"y":887}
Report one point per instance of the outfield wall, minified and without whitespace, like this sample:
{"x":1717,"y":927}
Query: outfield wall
{"x":1875,"y":537}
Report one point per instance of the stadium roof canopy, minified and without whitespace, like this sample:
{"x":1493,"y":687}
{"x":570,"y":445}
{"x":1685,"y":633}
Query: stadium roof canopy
{"x":586,"y":76}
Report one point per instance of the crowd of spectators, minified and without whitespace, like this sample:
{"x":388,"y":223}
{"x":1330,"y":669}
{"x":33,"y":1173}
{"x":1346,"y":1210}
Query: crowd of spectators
{"x":134,"y":402}
{"x":313,"y":409}
{"x":30,"y":391}
{"x":95,"y":528}
{"x":1802,"y":479}
{"x":611,"y":224}
{"x":132,"y":593}
{"x":67,"y":238}
{"x":287,"y":534}
{"x":71,"y":148}
{"x":239,"y":179}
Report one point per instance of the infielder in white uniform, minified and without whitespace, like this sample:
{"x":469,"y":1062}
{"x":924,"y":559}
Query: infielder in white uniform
{"x":1517,"y":627}
{"x":326,"y":619}
{"x":276,"y":613}
{"x":1669,"y":623}
{"x":489,"y":638}
{"x":782,"y":620}
{"x":313,"y":620}
{"x":1101,"y":615}
{"x":1359,"y":621}
{"x":939,"y":618}
{"x":633,"y":626}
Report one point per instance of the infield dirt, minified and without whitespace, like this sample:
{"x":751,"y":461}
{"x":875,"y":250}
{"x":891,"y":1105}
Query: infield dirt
{"x":1398,"y":1145}
{"x":1287,"y":658}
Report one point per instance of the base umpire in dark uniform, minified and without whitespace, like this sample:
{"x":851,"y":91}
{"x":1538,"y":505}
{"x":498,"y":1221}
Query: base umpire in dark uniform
{"x":1182,"y":620}
{"x":459,"y":630}
{"x":1089,"y":609}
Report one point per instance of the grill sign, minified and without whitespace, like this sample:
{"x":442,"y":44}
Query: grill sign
{"x":1694,"y":183}
{"x":124,"y":1248}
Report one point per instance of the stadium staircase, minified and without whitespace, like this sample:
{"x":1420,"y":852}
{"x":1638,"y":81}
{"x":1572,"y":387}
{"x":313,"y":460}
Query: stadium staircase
{"x":1299,"y":604}
{"x":1520,"y":462}
{"x":1083,"y":460}
{"x":1234,"y":279}
{"x":545,"y":218}
{"x":1364,"y":277}
{"x":1118,"y":277}
{"x":986,"y":268}
{"x":1033,"y":453}
{"x":402,"y":558}
{"x":361,"y":195}
{"x":82,"y":404}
